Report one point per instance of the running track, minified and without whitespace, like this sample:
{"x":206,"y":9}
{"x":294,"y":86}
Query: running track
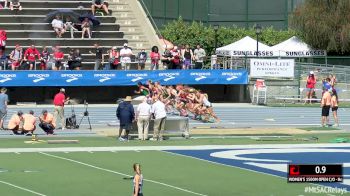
{"x":231,"y":115}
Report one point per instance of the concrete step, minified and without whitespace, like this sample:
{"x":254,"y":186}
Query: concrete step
{"x":44,"y":11}
{"x":50,"y":4}
{"x":52,"y":34}
{"x":66,"y":42}
{"x":47,"y":26}
{"x":41,"y":19}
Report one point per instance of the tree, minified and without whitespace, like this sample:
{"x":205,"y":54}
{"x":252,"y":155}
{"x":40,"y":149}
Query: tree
{"x":324,"y":24}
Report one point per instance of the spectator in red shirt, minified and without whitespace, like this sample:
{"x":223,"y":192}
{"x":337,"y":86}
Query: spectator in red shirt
{"x":58,"y":57}
{"x":59,"y":101}
{"x":30,"y":55}
{"x":310,"y":86}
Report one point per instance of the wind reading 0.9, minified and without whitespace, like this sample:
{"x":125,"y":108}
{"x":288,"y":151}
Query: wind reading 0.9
{"x":315,"y":173}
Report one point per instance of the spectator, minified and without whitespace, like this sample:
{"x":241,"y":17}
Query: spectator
{"x":15,"y":4}
{"x":125,"y":115}
{"x":3,"y":3}
{"x":59,"y":101}
{"x":45,"y":58}
{"x":74,"y":59}
{"x":166,"y":59}
{"x":58,"y":26}
{"x":187,"y":55}
{"x":47,"y":122}
{"x":3,"y":106}
{"x":58,"y":57}
{"x":85,"y":26}
{"x":30,"y":55}
{"x":113,"y":58}
{"x":310,"y":86}
{"x":159,"y":113}
{"x":16,"y":123}
{"x":16,"y":57}
{"x":326,"y":105}
{"x":143,"y":115}
{"x":175,"y":59}
{"x":125,"y":54}
{"x":29,"y":123}
{"x":199,"y":55}
{"x":142,"y":57}
{"x":69,"y":26}
{"x":99,"y":4}
{"x":155,"y":56}
{"x":334,"y":106}
{"x":99,"y":56}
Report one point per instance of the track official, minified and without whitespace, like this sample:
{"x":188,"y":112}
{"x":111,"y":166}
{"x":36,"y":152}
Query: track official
{"x":59,"y":101}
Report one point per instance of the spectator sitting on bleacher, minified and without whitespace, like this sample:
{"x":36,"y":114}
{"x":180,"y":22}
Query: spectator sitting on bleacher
{"x":99,"y":4}
{"x":58,"y":57}
{"x":69,"y":26}
{"x":30,"y":55}
{"x":125,"y":54}
{"x":29,"y":123}
{"x":141,"y":57}
{"x":15,"y":4}
{"x":3,"y":3}
{"x":113,"y":58}
{"x":16,"y":57}
{"x":45,"y":58}
{"x":58,"y":26}
{"x":85,"y":28}
{"x":15,"y":123}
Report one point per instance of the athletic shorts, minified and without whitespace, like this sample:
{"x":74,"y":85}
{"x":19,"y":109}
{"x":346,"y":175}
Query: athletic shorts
{"x":334,"y":108}
{"x":325,"y":110}
{"x":309,"y":89}
{"x":2,"y":115}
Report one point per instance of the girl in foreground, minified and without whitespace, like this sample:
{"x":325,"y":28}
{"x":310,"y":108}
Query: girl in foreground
{"x":138,"y":180}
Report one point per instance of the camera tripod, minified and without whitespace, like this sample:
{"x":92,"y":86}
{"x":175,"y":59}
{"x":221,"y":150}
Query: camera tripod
{"x":85,"y":114}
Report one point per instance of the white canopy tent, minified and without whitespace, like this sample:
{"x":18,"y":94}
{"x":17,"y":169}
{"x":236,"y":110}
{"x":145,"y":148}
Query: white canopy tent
{"x":244,"y":47}
{"x":294,"y":47}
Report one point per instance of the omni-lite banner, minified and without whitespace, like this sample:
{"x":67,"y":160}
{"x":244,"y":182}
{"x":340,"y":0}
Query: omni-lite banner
{"x":120,"y":78}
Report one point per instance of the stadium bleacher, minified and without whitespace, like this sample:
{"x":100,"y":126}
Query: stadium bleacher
{"x":28,"y":27}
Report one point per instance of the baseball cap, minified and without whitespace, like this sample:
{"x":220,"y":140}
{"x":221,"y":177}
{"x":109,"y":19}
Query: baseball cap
{"x":311,"y":73}
{"x":63,"y":90}
{"x":125,"y":44}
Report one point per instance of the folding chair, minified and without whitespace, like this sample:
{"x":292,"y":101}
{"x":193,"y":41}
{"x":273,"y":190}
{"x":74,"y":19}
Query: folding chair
{"x":259,"y":88}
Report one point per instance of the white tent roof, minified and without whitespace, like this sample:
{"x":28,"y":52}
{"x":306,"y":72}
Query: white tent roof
{"x":244,"y":47}
{"x":295,"y":47}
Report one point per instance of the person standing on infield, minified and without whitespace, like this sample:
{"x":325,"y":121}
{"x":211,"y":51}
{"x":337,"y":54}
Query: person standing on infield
{"x":334,"y":105}
{"x":125,"y":115}
{"x":59,"y":101}
{"x":159,"y":113}
{"x":326,"y":105}
{"x":3,"y":106}
{"x":143,"y":114}
{"x":138,"y":180}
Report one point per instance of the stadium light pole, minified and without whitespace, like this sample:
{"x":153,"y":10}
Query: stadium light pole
{"x":258,"y":31}
{"x":216,"y":28}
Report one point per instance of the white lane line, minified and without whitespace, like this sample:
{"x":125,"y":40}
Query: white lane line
{"x":22,"y":188}
{"x":122,"y":174}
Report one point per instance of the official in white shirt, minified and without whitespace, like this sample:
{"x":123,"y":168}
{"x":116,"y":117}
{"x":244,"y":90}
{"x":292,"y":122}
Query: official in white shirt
{"x":143,"y":115}
{"x":125,"y":56}
{"x":159,"y":112}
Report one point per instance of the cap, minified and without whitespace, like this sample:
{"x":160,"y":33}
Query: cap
{"x":114,"y":47}
{"x":125,"y":44}
{"x":62,"y":90}
{"x":311,"y":73}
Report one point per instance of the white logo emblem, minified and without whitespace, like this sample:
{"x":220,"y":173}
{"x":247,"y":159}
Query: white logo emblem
{"x":72,"y":79}
{"x":5,"y":80}
{"x":231,"y":78}
{"x":104,"y":79}
{"x":169,"y":78}
{"x":38,"y":80}
{"x":200,"y":78}
{"x":136,"y":79}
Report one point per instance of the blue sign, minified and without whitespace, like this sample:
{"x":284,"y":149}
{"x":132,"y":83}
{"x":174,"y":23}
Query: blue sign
{"x":120,"y":78}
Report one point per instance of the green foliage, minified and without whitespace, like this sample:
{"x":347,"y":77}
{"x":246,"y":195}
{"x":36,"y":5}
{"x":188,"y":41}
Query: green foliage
{"x":324,"y":24}
{"x":179,"y":32}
